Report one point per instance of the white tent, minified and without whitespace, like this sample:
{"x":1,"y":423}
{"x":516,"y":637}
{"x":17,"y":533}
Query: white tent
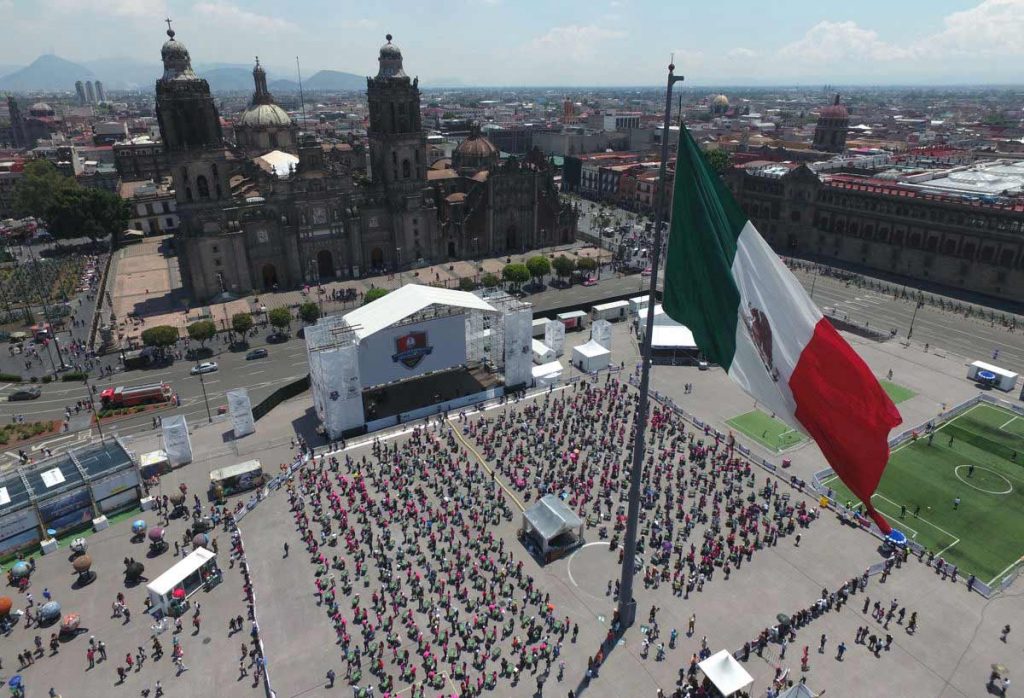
{"x":548,"y":373}
{"x":542,"y":353}
{"x":672,"y":337}
{"x":406,"y":301}
{"x":726,"y":673}
{"x":590,"y":357}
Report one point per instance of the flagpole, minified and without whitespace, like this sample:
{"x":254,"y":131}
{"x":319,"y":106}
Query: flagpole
{"x":627,"y":604}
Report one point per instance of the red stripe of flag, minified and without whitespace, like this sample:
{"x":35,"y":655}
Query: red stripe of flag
{"x":844,"y":409}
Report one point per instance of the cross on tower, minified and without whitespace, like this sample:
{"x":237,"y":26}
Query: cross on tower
{"x":170,"y":32}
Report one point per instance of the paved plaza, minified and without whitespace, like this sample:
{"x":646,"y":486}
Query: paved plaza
{"x":428,"y":562}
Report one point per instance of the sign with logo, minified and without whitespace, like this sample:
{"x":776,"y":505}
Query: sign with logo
{"x":410,"y":349}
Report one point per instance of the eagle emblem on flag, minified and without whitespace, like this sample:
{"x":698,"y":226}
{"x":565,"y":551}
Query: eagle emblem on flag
{"x":761,"y":333}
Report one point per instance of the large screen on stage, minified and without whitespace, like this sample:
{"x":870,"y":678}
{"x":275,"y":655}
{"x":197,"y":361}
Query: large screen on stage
{"x":407,"y":351}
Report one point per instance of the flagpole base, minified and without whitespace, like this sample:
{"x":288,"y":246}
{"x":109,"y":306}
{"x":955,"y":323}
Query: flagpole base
{"x":627,"y":613}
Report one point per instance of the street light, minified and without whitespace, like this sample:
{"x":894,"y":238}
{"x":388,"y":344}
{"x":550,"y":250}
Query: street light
{"x":206,"y":400}
{"x":917,"y":306}
{"x":92,"y":405}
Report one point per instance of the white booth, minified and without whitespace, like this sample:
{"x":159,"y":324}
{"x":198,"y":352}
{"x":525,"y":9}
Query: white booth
{"x":573,"y":320}
{"x":616,"y":310}
{"x":539,"y":324}
{"x":548,"y":373}
{"x":726,"y":673}
{"x":189,"y":575}
{"x":591,"y":357}
{"x":542,"y":353}
{"x":992,"y":375}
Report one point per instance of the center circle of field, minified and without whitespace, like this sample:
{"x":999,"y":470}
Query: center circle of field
{"x":1009,"y":485}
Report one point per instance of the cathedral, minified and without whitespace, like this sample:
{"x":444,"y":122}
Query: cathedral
{"x":269,"y":207}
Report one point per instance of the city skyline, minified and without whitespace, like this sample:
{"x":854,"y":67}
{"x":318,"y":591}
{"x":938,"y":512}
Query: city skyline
{"x":612,"y":43}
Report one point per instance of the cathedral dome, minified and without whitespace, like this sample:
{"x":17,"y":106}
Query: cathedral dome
{"x":390,"y":60}
{"x":41,"y":109}
{"x":475,"y":153}
{"x":264,"y":115}
{"x":177,"y":62}
{"x":720,"y":101}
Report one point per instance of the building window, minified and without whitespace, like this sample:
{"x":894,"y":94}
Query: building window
{"x":167,"y":207}
{"x":203,"y":187}
{"x":170,"y":223}
{"x":216,"y":262}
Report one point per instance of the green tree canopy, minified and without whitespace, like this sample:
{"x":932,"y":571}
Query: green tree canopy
{"x":373,"y":294}
{"x":161,"y":336}
{"x":719,"y":160}
{"x":241,"y":323}
{"x":516,"y":274}
{"x":280,"y":317}
{"x":466,"y":284}
{"x":37,"y":188}
{"x":202,"y":331}
{"x":538,"y":266}
{"x":94,"y":213}
{"x":309,"y":312}
{"x":563,"y":266}
{"x":490,"y":280}
{"x":586,"y":264}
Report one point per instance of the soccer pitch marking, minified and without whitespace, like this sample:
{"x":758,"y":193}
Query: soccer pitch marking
{"x":1005,"y":571}
{"x":1008,"y":422}
{"x":899,"y":522}
{"x":1009,"y":485}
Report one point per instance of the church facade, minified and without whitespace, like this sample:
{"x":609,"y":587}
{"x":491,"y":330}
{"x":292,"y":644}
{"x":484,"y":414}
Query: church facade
{"x":273,"y":208}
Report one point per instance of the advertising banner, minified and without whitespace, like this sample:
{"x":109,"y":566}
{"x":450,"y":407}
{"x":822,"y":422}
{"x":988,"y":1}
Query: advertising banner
{"x":67,"y":510}
{"x":240,"y":409}
{"x":177,"y":443}
{"x":407,"y":351}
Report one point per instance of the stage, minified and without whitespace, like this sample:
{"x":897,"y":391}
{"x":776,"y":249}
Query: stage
{"x":427,"y":391}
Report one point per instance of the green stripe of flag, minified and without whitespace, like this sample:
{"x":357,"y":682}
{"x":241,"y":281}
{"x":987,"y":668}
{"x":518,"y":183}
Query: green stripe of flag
{"x":706,"y":222}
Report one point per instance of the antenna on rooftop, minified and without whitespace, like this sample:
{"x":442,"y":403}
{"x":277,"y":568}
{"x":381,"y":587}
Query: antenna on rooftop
{"x":302,"y":101}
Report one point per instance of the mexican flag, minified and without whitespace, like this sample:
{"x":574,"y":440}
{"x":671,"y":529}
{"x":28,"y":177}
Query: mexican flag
{"x":750,"y":315}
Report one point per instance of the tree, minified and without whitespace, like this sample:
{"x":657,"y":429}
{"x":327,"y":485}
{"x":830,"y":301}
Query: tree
{"x":586,"y":264}
{"x":94,"y":213}
{"x":490,"y":280}
{"x":563,"y":266}
{"x":280,"y":317}
{"x":719,"y":160}
{"x":309,"y":312}
{"x":241,"y":323}
{"x":202,"y":331}
{"x":373,"y":294}
{"x":539,"y":267}
{"x":37,"y":188}
{"x":516,"y":274}
{"x":466,"y":284}
{"x":161,"y":337}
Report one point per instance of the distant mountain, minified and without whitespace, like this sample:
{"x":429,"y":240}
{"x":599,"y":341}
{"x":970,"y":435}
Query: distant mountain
{"x":46,"y":73}
{"x":333,"y":80}
{"x":6,"y":69}
{"x":282,"y":86}
{"x":228,"y":79}
{"x":125,"y":73}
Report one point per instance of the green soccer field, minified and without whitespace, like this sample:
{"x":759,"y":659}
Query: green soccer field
{"x":766,"y":430}
{"x":985,"y":534}
{"x":897,"y":393}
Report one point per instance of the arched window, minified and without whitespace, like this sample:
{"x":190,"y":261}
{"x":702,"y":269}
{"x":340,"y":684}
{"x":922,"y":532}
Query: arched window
{"x":202,"y":187}
{"x":406,"y":170}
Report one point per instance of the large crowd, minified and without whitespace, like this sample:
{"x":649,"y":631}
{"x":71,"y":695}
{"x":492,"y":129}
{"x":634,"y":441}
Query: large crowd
{"x":421,"y":590}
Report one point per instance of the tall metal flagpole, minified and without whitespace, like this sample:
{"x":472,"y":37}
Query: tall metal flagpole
{"x":627,"y":604}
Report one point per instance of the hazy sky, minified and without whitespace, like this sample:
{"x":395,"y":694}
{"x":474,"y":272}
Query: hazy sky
{"x":553,"y":42}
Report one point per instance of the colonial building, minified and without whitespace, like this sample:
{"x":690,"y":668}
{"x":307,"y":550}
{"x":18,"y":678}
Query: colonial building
{"x":276,"y":208}
{"x":899,"y":229}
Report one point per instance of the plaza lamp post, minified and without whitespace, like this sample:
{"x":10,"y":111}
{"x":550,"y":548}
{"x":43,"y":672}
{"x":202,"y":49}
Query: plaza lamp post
{"x":917,"y":306}
{"x":46,"y":306}
{"x":627,"y":604}
{"x":206,"y":400}
{"x":92,"y":405}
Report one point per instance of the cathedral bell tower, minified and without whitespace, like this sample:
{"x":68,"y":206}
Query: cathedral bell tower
{"x":185,"y":110}
{"x":397,"y":142}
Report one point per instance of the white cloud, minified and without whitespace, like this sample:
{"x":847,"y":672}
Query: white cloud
{"x":993,"y":27}
{"x":359,"y":23}
{"x":577,"y":43}
{"x":227,"y":13}
{"x":741,"y":53}
{"x":831,"y":42}
{"x":115,"y":8}
{"x":687,"y":59}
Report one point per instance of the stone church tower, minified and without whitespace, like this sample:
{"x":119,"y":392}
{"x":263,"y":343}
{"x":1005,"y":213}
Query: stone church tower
{"x":830,"y":132}
{"x":398,"y":166}
{"x":191,"y":132}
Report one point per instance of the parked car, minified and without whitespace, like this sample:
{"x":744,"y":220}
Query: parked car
{"x":257,"y":354}
{"x":590,"y":281}
{"x":24,"y":394}
{"x":205,"y":367}
{"x":702,"y":365}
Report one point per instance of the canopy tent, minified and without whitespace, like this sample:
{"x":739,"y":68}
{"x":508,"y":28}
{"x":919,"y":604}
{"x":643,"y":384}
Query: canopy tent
{"x":672,"y":337}
{"x":726,"y":673}
{"x":407,"y":301}
{"x":547,"y":373}
{"x":188,"y":574}
{"x":798,"y":690}
{"x":590,"y":357}
{"x":552,"y":526}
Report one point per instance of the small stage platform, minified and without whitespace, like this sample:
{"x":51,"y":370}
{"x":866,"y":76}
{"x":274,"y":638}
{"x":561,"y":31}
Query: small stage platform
{"x":432,"y":389}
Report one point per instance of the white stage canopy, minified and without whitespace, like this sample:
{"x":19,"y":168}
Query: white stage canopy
{"x":726,"y":673}
{"x":672,"y":336}
{"x":407,"y":301}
